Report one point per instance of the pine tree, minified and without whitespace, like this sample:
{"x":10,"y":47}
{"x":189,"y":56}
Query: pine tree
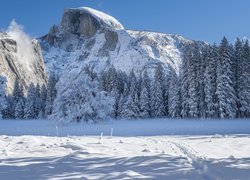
{"x":157,"y":101}
{"x":30,"y":106}
{"x":116,"y":96}
{"x":43,"y":101}
{"x":2,"y":95}
{"x":37,"y":101}
{"x":18,"y":93}
{"x":130,"y":110}
{"x":238,"y":63}
{"x":51,"y":93}
{"x":211,"y":59}
{"x":174,"y":96}
{"x":225,"y":87}
{"x":19,"y":109}
{"x":162,"y":80}
{"x":145,"y":103}
{"x":185,"y":83}
{"x":244,"y":83}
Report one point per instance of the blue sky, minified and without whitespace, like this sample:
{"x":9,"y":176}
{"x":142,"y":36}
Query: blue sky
{"x":206,"y":20}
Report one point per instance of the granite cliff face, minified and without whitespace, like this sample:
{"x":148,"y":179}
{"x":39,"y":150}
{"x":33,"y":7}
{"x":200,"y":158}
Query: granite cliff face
{"x":14,"y":64}
{"x":87,"y":36}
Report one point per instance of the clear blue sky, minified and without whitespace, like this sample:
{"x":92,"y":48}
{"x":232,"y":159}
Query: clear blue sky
{"x":206,"y":20}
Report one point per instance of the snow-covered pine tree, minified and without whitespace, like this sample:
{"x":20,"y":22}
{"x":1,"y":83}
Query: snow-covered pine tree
{"x":2,"y":95}
{"x":145,"y":103}
{"x":225,"y":87}
{"x":19,"y":109}
{"x":7,"y":113}
{"x":130,"y":109}
{"x":157,"y":101}
{"x":174,"y":103}
{"x":146,"y":81}
{"x":185,"y":83}
{"x":18,"y":93}
{"x":51,"y":93}
{"x":132,"y":84}
{"x":193,"y":90}
{"x":43,"y":98}
{"x":37,"y":100}
{"x":211,"y":58}
{"x":244,"y":83}
{"x":200,"y":80}
{"x":117,"y":96}
{"x":121,"y":104}
{"x":162,"y":80}
{"x":30,"y":105}
{"x":238,"y":50}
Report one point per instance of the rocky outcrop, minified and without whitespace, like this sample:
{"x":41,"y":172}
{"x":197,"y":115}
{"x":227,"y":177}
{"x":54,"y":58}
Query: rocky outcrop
{"x":78,"y":22}
{"x":78,"y":26}
{"x":12,"y":67}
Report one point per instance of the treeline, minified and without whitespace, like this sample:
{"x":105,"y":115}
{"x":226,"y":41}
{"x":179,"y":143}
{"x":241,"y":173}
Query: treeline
{"x":214,"y":82}
{"x":37,"y":103}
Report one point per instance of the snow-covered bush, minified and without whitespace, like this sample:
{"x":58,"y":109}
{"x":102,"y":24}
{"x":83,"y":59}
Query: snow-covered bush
{"x":80,"y":99}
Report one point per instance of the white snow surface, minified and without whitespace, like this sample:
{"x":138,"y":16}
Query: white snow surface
{"x":108,"y":20}
{"x":154,"y":154}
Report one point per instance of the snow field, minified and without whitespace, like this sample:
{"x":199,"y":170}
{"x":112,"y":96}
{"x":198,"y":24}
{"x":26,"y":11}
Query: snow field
{"x":157,"y":157}
{"x":138,"y":149}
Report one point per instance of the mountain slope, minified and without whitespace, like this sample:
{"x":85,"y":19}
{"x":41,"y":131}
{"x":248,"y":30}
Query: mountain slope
{"x":87,"y":36}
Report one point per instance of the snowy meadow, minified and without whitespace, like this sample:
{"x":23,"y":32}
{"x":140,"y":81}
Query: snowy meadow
{"x":125,"y":149}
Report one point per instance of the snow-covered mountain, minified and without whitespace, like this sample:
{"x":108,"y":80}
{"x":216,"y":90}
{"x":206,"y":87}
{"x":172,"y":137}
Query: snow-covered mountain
{"x":87,"y":36}
{"x":21,"y":58}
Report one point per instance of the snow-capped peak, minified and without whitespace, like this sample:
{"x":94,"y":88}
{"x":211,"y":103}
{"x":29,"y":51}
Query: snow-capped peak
{"x":101,"y":17}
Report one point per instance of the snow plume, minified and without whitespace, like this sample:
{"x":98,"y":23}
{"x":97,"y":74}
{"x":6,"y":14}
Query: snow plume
{"x":25,"y":51}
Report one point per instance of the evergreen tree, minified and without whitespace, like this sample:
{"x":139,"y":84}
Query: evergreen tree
{"x":174,"y":96}
{"x":18,"y":93}
{"x":19,"y":109}
{"x":51,"y":93}
{"x":2,"y":95}
{"x":244,"y":83}
{"x":145,"y":103}
{"x":225,"y":87}
{"x":37,"y":101}
{"x":157,"y":101}
{"x":130,"y":109}
{"x":162,"y":80}
{"x":194,"y":85}
{"x":30,"y":106}
{"x":185,"y":83}
{"x":43,"y":98}
{"x":211,"y":59}
{"x":117,"y":97}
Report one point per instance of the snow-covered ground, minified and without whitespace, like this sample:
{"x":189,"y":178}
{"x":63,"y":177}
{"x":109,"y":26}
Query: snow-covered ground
{"x":138,"y":149}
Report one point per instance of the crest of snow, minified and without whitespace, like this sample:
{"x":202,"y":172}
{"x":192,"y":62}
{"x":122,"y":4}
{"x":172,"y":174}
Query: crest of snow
{"x":102,"y":17}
